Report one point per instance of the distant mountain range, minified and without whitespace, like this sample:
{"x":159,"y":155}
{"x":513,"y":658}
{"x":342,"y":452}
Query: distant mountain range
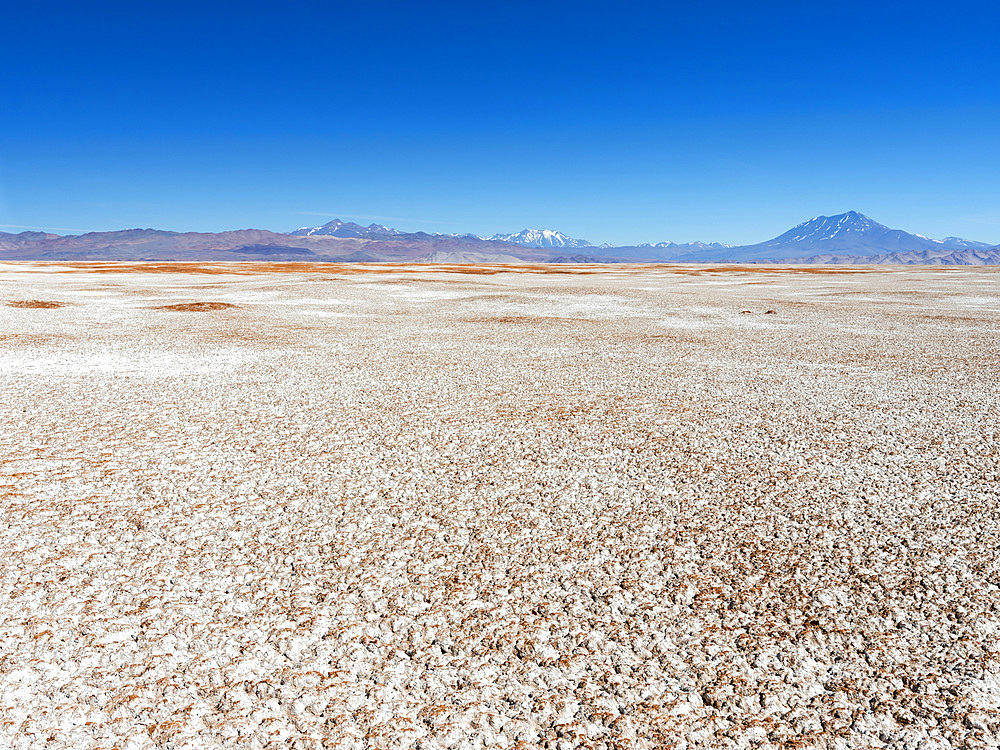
{"x":848,"y":238}
{"x":539,"y":238}
{"x":258,"y":244}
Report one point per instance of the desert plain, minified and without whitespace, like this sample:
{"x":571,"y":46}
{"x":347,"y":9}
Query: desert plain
{"x":404,"y":506}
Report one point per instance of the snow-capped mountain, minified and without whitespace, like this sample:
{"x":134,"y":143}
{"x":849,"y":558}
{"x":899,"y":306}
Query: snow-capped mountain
{"x":849,"y":233}
{"x":539,"y":238}
{"x":842,"y":226}
{"x":338,"y":228}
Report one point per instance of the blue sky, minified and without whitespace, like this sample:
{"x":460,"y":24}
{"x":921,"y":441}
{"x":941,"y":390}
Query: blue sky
{"x":613,"y":122}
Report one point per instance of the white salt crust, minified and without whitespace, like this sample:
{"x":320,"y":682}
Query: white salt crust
{"x":573,"y":507}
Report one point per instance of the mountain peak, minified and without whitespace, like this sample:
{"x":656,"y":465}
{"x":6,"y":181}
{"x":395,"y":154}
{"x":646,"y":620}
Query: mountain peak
{"x":833,"y":227}
{"x":540,"y":238}
{"x":848,"y":234}
{"x":338,"y":228}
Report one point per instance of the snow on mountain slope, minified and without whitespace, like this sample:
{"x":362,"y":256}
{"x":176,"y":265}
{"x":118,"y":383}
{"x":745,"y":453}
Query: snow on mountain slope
{"x":540,"y":238}
{"x":338,"y":228}
{"x":960,"y":242}
{"x":849,"y":233}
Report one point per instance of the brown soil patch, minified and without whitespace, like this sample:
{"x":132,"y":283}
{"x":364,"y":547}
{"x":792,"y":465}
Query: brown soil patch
{"x":196,"y":307}
{"x":525,"y":319}
{"x":671,"y":338}
{"x":25,"y":339}
{"x":395,"y":267}
{"x":36,"y":304}
{"x":338,"y":269}
{"x":724,"y":269}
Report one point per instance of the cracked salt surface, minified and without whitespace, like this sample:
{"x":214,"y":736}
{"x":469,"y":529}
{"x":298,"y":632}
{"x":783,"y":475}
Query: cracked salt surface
{"x":457,"y":518}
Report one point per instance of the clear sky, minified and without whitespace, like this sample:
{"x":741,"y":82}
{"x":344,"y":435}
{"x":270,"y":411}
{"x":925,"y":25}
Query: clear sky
{"x":617,"y":122}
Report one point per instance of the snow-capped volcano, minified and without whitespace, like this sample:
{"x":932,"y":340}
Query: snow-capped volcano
{"x":849,"y":233}
{"x":540,"y":238}
{"x":840,"y":226}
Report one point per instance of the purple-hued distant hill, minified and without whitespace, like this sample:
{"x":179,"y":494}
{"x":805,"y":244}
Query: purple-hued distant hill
{"x":848,"y":238}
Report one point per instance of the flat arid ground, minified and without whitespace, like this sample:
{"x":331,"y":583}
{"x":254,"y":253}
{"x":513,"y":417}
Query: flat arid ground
{"x":293,"y":506}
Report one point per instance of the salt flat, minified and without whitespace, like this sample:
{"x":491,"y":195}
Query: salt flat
{"x":463,"y":506}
